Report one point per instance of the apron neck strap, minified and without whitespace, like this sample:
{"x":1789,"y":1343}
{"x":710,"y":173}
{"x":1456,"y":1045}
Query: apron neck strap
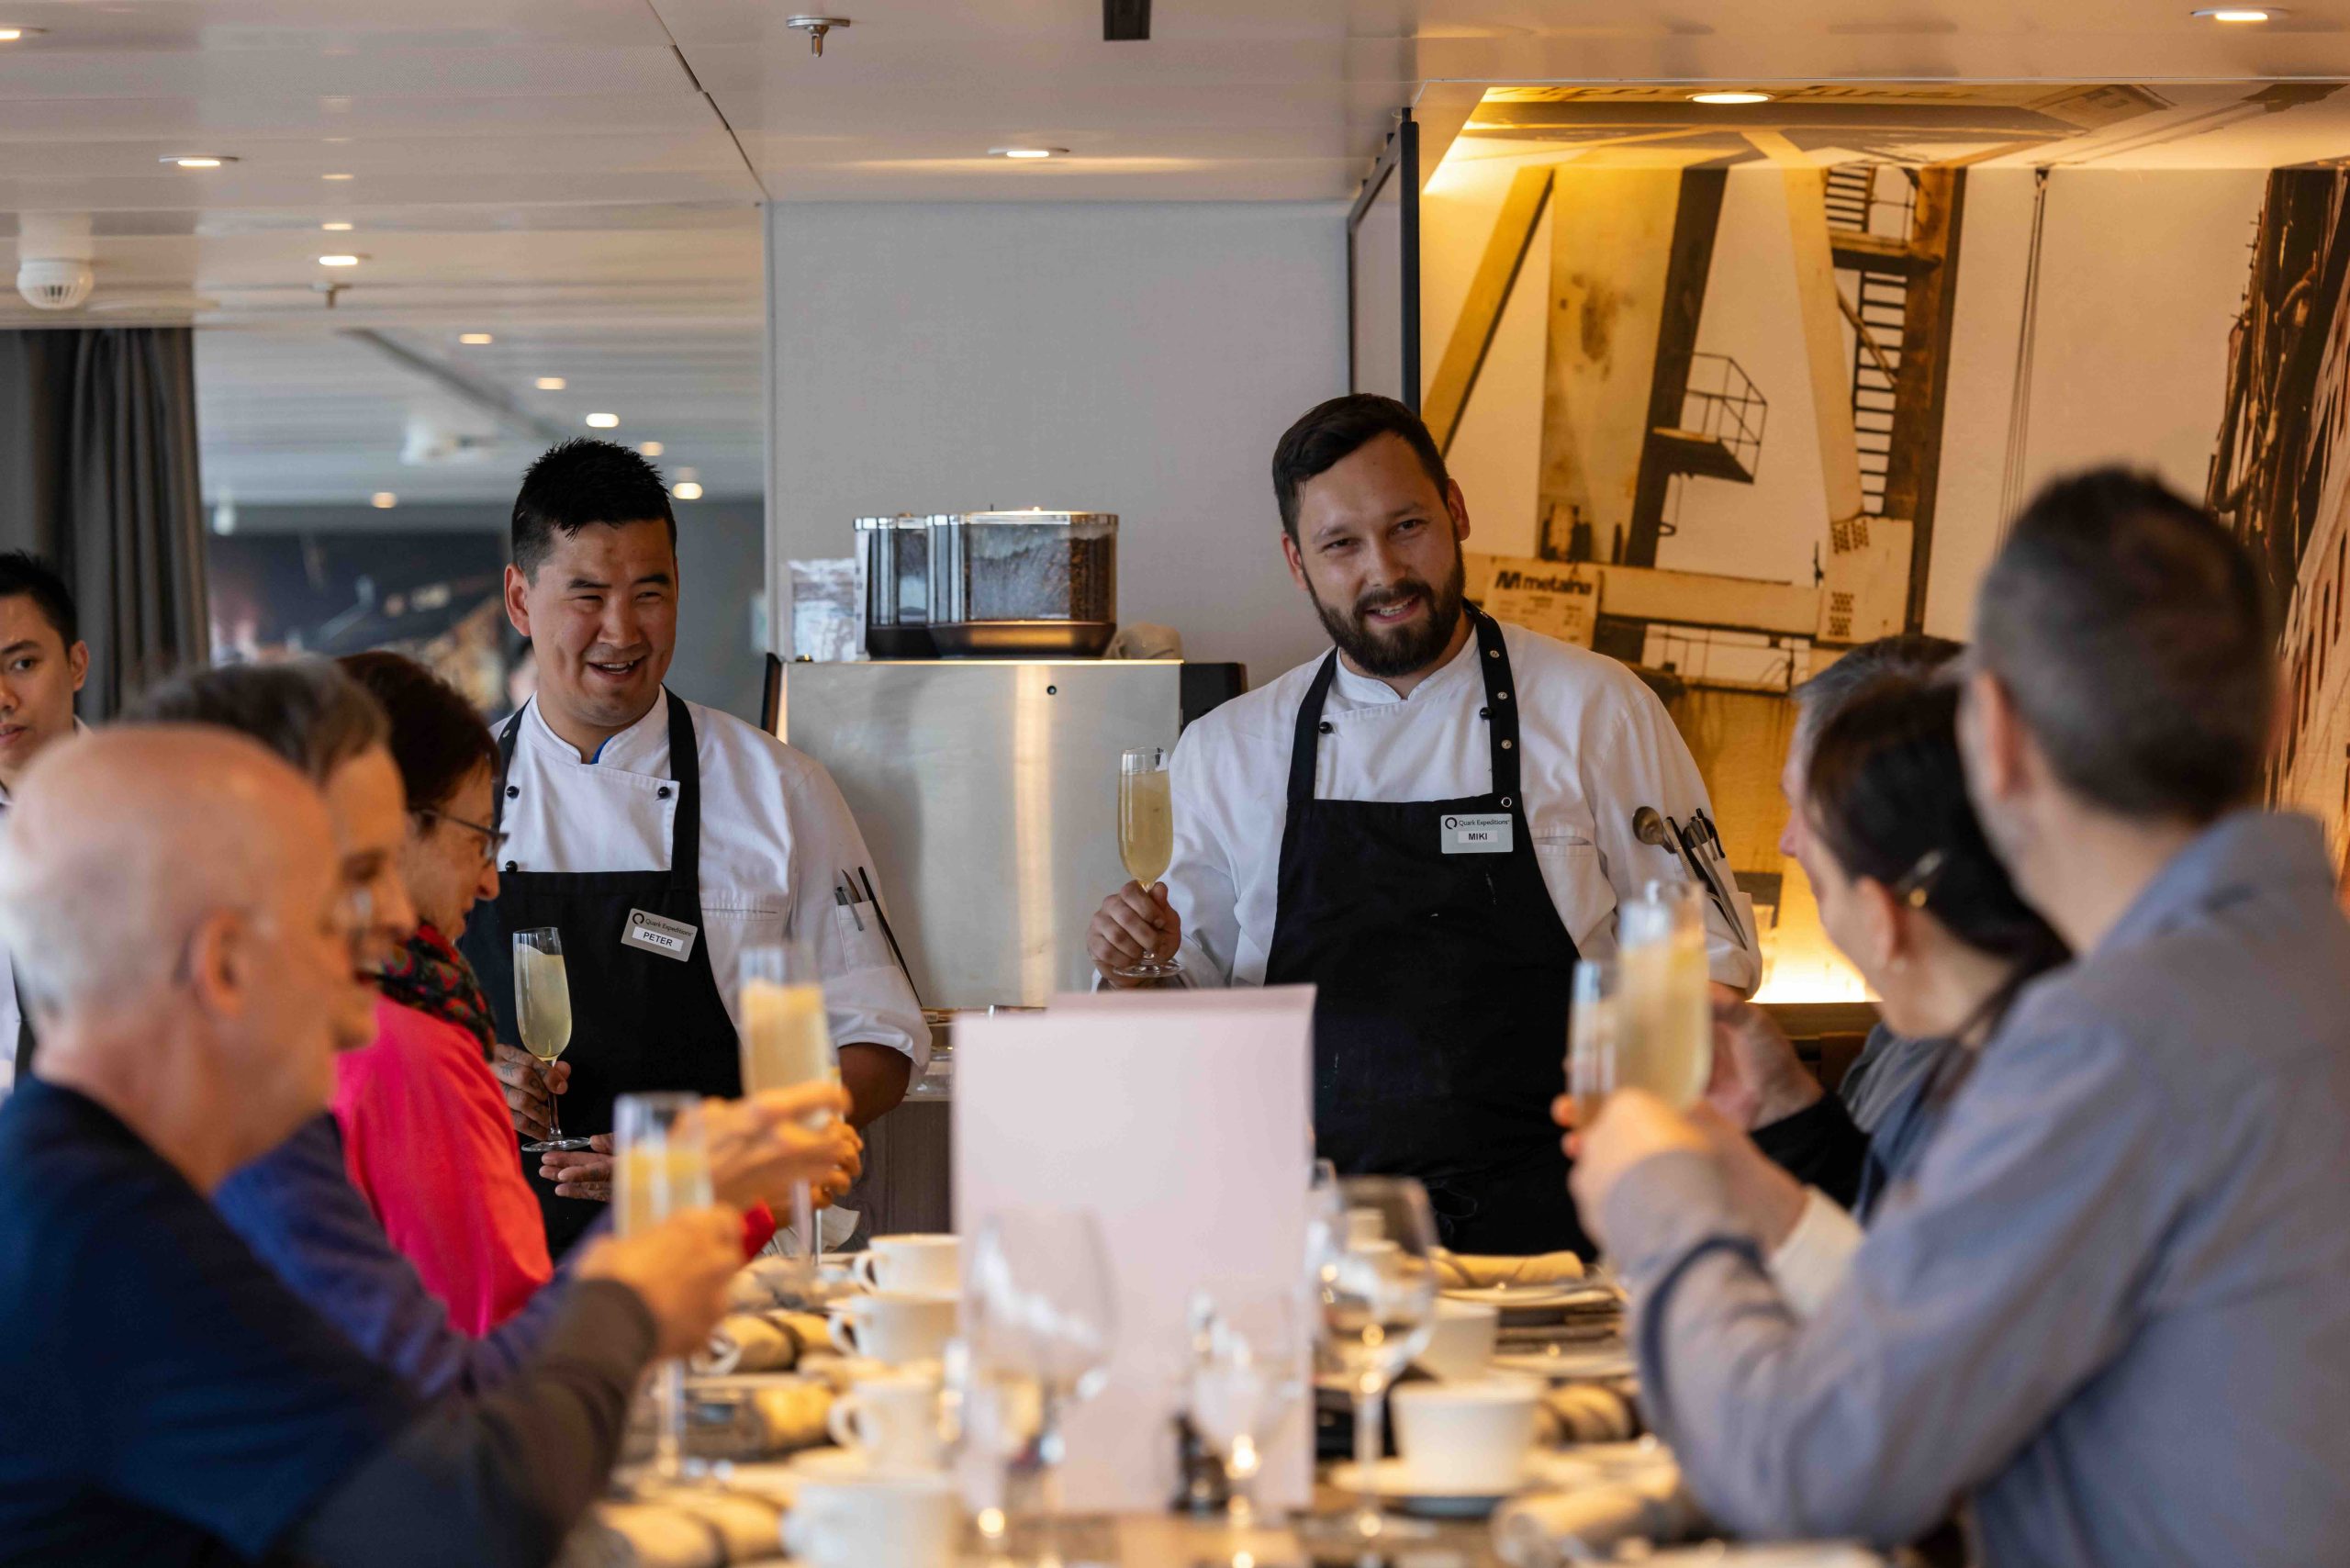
{"x":1501,"y":714}
{"x":684,"y":772}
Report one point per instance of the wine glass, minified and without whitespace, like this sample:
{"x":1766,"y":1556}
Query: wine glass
{"x":1245,"y":1379}
{"x":661,"y":1168}
{"x":542,"y":1011}
{"x":1039,"y":1320}
{"x":787,"y":1041}
{"x":1594,"y":1035}
{"x":1146,"y":838}
{"x":1375,"y":1281}
{"x":1666,"y":1017}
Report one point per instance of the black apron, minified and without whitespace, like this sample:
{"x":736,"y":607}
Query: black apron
{"x":1440,"y":1015}
{"x":639,"y":1021}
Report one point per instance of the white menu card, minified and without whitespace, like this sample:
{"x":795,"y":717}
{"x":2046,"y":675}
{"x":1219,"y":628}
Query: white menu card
{"x":1182,"y":1119}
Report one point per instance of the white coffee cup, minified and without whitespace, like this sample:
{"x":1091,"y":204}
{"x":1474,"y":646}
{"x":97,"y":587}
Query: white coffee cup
{"x":1461,"y":1341}
{"x":932,"y":1263}
{"x":1465,"y":1437}
{"x":895,"y":1327}
{"x":881,"y":1520}
{"x":892,"y":1422}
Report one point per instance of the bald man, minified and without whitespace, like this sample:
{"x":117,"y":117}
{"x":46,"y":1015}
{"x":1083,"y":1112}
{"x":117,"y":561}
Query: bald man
{"x":172,"y":900}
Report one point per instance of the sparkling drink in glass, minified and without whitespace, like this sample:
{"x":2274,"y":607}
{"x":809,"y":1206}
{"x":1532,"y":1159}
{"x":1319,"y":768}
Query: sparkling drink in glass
{"x":1593,"y":1024}
{"x":787,"y":1041}
{"x":1147,"y":837}
{"x":661,"y":1168}
{"x":1667,"y":1014}
{"x":542,"y":1009}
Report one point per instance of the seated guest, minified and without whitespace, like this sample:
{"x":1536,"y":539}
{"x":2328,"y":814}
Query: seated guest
{"x":181,"y":927}
{"x":425,"y":1134}
{"x":2111,"y":1310}
{"x":297,"y":1206}
{"x":43,"y":662}
{"x":1759,"y":1082}
{"x":1911,"y":893}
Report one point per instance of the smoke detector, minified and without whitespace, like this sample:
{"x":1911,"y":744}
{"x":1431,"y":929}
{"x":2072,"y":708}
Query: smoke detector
{"x":54,"y":283}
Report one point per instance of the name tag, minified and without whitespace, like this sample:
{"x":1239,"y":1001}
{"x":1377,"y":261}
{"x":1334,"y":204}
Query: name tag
{"x":670,"y":938}
{"x":1478,"y":835}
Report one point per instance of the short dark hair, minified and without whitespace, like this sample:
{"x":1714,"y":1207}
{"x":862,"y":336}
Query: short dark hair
{"x":2130,"y":630}
{"x":24,"y":572}
{"x":306,"y":710}
{"x":437,"y":738}
{"x":1905,"y":655}
{"x":579,"y":484}
{"x":1333,"y":431}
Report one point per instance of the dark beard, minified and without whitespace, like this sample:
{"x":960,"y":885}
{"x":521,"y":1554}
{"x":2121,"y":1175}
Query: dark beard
{"x":1407,"y":650}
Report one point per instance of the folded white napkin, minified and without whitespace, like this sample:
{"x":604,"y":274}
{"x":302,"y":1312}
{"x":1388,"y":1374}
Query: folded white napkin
{"x":760,"y":1341}
{"x":1460,"y":1270}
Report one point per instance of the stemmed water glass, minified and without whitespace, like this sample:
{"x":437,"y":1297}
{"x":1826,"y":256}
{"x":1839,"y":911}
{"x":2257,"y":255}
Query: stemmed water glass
{"x":1246,"y":1376}
{"x":661,"y":1168}
{"x":1372,"y":1258}
{"x":1039,"y":1321}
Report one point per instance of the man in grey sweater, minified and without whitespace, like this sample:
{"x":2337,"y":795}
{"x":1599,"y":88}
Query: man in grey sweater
{"x":2109,"y":1313}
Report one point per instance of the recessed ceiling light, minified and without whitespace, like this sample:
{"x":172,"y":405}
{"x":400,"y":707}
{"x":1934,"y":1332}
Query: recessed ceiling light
{"x":650,"y":448}
{"x":335,"y":176}
{"x":552,"y":384}
{"x":336,"y":227}
{"x":196,"y":160}
{"x":343,"y":261}
{"x":2239,"y":13}
{"x":1027,"y":152}
{"x":602,"y":422}
{"x":686,"y":490}
{"x":383,"y":500}
{"x":14,"y":34}
{"x":1726,"y":98}
{"x":475,"y":339}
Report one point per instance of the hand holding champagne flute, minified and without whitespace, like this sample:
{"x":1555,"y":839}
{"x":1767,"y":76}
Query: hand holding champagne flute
{"x":788,"y":1042}
{"x":662,"y":1170}
{"x":542,"y":1013}
{"x":1147,"y":839}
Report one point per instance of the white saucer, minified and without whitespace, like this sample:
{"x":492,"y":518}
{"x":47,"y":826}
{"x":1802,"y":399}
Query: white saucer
{"x":1390,"y":1481}
{"x":1532,"y":1298}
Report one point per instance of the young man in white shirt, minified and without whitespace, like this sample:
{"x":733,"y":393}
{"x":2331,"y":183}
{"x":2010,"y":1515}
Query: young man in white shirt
{"x":661,"y":837}
{"x":43,"y":663}
{"x":1430,"y":824}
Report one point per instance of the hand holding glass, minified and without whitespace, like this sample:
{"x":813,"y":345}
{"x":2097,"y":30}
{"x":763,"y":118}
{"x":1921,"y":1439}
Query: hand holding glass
{"x":787,"y":1041}
{"x":1146,"y":838}
{"x":542,"y":1013}
{"x":661,"y":1168}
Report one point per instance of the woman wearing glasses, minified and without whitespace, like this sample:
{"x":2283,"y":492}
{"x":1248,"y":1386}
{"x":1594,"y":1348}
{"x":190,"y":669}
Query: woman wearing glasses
{"x":425,"y":1131}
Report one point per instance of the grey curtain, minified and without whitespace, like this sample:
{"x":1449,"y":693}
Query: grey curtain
{"x":99,"y":474}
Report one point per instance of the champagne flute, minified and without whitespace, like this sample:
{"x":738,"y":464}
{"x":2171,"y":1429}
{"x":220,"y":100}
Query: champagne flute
{"x":1667,"y":1011}
{"x":662,"y":1168}
{"x":1039,"y":1319}
{"x":1146,"y":838}
{"x":1375,"y":1279}
{"x":787,"y":1041}
{"x":542,"y":1011}
{"x":1594,"y":1035}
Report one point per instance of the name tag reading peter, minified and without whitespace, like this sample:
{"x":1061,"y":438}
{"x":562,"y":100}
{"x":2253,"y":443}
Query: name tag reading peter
{"x":670,"y":938}
{"x":1477,"y":835}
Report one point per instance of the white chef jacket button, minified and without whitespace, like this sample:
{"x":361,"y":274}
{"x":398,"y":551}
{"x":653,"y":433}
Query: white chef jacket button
{"x":512,"y":790}
{"x":662,"y":793}
{"x":513,"y":865}
{"x":1326,"y":726}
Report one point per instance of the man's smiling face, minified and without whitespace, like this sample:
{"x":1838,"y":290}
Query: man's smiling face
{"x":602,"y":614}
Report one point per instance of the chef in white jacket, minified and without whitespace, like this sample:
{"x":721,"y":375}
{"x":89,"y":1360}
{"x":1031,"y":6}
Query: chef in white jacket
{"x":1430,"y":824}
{"x":661,"y":838}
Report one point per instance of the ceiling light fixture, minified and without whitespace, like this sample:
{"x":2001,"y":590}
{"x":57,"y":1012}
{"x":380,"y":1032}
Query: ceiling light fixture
{"x":2239,"y":14}
{"x":552,"y":384}
{"x":196,"y":160}
{"x":651,"y":448}
{"x":1723,"y":99}
{"x":686,"y":490}
{"x":475,"y":339}
{"x":342,"y":260}
{"x":815,"y":27}
{"x":383,"y":500}
{"x":336,"y":227}
{"x":602,"y":422}
{"x":335,"y":176}
{"x":16,"y":35}
{"x":1027,"y":152}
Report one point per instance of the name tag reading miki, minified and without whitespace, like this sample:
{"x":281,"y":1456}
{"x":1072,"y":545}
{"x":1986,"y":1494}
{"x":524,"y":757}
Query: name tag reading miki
{"x":670,"y":938}
{"x":1478,"y":835}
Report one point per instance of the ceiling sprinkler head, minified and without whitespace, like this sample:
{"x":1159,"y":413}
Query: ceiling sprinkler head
{"x":816,"y":28}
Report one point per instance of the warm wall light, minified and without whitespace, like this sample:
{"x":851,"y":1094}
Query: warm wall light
{"x":651,"y":448}
{"x":1729,"y":98}
{"x":338,"y":260}
{"x":196,"y":160}
{"x":336,"y":227}
{"x":686,"y":490}
{"x":334,"y":177}
{"x":475,"y":339}
{"x":14,"y":34}
{"x":1027,"y":152}
{"x":2239,"y":14}
{"x":383,"y":500}
{"x":602,"y":422}
{"x":551,"y":384}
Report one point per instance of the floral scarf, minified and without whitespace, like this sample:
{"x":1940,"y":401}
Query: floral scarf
{"x":432,"y":977}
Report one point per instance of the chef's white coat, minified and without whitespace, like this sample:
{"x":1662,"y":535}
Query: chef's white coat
{"x":1596,"y":745}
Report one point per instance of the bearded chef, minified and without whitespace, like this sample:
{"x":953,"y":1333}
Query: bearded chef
{"x":1430,"y":824}
{"x":661,"y":838}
